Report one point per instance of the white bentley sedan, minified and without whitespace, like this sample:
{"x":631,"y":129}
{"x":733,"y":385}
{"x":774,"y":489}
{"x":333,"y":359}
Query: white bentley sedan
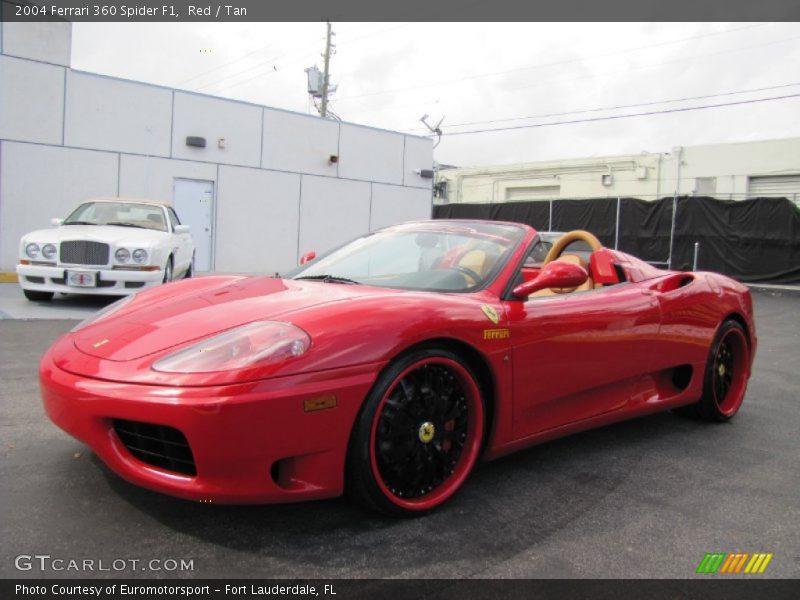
{"x":111,"y":246}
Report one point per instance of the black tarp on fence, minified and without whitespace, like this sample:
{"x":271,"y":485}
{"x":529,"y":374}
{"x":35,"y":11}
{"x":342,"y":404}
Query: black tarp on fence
{"x":756,"y":240}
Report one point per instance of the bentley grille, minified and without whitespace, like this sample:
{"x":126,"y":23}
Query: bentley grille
{"x":84,"y":253}
{"x":157,"y":445}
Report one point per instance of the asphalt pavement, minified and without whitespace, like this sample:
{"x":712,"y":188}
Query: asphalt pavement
{"x":642,"y":499}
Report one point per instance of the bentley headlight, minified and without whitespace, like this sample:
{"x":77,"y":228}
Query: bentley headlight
{"x":122,"y":255}
{"x":49,"y":251}
{"x":254,"y":344}
{"x":32,"y":250}
{"x":139,"y":256}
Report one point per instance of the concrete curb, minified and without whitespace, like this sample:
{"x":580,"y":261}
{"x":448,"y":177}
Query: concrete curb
{"x":775,"y":290}
{"x":6,"y":277}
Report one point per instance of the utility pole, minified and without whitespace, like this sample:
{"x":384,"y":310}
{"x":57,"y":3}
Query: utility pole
{"x":323,"y":110}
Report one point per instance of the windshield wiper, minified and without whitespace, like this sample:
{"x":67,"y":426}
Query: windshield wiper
{"x":78,"y":223}
{"x":329,"y":279}
{"x":122,"y":224}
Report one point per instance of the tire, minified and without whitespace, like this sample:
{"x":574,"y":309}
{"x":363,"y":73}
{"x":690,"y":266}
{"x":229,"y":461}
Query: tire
{"x":418,"y":435}
{"x":35,"y":296}
{"x":169,"y":270}
{"x":190,"y":271}
{"x":725,"y":376}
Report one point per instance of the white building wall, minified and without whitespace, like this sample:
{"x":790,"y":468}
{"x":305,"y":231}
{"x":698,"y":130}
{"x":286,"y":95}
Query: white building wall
{"x":370,"y":154}
{"x":31,"y":97}
{"x":40,"y":182}
{"x":237,"y":123}
{"x":66,"y":136}
{"x":152,"y":177}
{"x":44,"y":42}
{"x":109,"y":114}
{"x":332,"y":211}
{"x":393,"y":204}
{"x":299,"y":143}
{"x":416,"y":158}
{"x":258,"y":233}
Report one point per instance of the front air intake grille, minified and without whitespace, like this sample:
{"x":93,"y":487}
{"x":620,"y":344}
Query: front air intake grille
{"x":157,"y":445}
{"x":84,"y":253}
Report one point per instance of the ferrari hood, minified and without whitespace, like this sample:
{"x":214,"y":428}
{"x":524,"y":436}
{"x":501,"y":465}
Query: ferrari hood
{"x":158,"y":322}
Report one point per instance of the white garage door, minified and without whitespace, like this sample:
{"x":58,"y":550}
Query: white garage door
{"x":775,"y":186}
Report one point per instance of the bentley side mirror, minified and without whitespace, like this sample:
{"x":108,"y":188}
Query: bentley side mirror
{"x":56,"y":222}
{"x":182,"y":229}
{"x":307,"y":257}
{"x":557,"y":274}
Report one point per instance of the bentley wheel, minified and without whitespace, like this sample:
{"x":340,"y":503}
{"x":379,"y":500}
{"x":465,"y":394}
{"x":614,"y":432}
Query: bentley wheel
{"x":725,"y":378}
{"x":418,"y":436}
{"x":168,"y":270}
{"x":190,"y":271}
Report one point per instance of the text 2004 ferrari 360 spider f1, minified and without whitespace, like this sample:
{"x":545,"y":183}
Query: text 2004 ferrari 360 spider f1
{"x":390,"y":365}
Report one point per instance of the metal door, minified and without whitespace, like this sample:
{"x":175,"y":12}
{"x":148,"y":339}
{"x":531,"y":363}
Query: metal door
{"x":194,"y":202}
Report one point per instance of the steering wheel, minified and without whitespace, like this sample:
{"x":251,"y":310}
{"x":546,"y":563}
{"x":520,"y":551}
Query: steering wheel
{"x":565,"y":240}
{"x":468,"y":272}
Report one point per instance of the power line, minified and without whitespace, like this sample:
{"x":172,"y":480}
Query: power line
{"x":619,"y":107}
{"x":613,"y":117}
{"x":552,"y":64}
{"x":627,"y":70}
{"x":269,"y":62}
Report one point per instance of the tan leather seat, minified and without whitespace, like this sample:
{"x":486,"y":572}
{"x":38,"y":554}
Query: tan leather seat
{"x":474,"y":260}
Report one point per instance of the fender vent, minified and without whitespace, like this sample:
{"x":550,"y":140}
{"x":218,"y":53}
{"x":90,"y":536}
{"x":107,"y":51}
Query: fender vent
{"x":158,"y":445}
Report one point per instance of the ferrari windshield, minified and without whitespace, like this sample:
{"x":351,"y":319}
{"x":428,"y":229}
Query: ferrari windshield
{"x":123,"y":214}
{"x":433,"y":256}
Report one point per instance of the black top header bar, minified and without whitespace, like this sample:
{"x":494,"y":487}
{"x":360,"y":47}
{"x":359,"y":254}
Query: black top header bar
{"x":407,"y":10}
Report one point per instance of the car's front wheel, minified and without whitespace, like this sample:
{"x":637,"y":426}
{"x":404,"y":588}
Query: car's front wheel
{"x":168,"y":270}
{"x":418,"y":435}
{"x":190,"y":271}
{"x":38,"y":296}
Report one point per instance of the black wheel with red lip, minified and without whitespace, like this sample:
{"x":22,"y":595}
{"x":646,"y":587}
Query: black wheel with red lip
{"x":418,"y":435}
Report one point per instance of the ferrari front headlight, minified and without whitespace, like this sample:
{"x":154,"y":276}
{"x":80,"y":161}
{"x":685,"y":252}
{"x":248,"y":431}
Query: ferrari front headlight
{"x":254,"y":344}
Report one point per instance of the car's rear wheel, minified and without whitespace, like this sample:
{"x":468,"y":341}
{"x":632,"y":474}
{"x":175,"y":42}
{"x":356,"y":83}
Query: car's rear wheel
{"x":725,"y":376}
{"x":38,"y":296}
{"x":418,"y":435}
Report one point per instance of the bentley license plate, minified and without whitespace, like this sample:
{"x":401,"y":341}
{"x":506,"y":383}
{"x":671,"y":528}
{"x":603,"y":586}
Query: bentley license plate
{"x":82,"y":278}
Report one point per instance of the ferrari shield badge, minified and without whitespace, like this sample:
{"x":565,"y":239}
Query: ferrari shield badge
{"x":490,"y":313}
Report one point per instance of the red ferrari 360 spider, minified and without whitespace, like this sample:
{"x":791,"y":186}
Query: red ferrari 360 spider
{"x":387,"y":367}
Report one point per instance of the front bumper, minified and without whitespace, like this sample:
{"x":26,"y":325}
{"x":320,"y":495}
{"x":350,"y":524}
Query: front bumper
{"x":252,"y":443}
{"x":43,"y":278}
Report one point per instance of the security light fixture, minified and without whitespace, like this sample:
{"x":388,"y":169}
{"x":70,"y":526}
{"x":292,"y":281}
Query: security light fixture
{"x":195,"y":141}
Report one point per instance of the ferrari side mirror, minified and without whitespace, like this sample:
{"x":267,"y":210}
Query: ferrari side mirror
{"x":307,"y":257}
{"x":557,"y":274}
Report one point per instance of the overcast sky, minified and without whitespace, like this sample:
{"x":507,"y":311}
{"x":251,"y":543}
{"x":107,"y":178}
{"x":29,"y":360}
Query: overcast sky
{"x":390,"y":74}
